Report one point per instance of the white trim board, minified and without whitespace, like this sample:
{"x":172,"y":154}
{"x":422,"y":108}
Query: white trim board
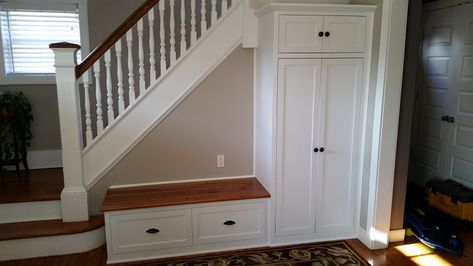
{"x":397,"y":235}
{"x":386,"y":119}
{"x":30,"y":211}
{"x":51,"y":245}
{"x":182,"y":181}
{"x":41,"y":160}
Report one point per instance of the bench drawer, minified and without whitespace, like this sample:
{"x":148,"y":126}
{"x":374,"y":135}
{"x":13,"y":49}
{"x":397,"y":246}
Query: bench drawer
{"x":150,"y":230}
{"x":229,"y":223}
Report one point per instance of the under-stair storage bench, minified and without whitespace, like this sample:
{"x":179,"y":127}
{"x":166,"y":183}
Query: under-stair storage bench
{"x":156,"y":221}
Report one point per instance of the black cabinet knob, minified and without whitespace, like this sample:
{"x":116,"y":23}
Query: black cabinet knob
{"x":316,"y":149}
{"x":321,"y":34}
{"x":451,"y":119}
{"x":445,"y":118}
{"x":230,"y":222}
{"x":327,"y":34}
{"x":322,"y":149}
{"x":152,"y":231}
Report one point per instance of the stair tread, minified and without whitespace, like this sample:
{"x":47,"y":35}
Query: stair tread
{"x":183,"y":193}
{"x":33,"y":229}
{"x":38,"y":185}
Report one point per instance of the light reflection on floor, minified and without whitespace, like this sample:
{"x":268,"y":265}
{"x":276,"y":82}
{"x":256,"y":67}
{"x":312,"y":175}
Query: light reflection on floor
{"x":422,"y":255}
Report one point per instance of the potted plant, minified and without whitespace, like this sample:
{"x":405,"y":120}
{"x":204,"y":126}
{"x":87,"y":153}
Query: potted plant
{"x":15,"y":126}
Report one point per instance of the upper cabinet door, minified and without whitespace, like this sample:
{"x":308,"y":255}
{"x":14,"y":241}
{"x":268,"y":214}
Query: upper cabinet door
{"x":344,"y":34}
{"x":300,"y":34}
{"x":316,"y":34}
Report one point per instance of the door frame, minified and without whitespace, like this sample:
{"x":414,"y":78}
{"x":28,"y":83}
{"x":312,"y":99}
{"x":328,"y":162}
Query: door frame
{"x":385,"y":126}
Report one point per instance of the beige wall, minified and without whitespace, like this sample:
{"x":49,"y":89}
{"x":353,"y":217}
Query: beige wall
{"x":217,"y":118}
{"x":106,"y":15}
{"x":45,"y":126}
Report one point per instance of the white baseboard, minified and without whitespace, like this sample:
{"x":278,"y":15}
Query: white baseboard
{"x":30,"y":211}
{"x":397,"y":235}
{"x":41,"y":160}
{"x":51,"y":245}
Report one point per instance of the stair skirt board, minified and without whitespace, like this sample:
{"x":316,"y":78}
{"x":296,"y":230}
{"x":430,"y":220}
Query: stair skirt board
{"x":163,"y":96}
{"x":51,"y":246}
{"x":30,"y":211}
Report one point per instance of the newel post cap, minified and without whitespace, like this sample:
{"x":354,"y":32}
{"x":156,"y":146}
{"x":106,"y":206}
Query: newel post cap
{"x":64,"y":45}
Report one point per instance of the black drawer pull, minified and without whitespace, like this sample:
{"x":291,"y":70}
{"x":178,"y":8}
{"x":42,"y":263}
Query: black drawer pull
{"x":327,"y":34}
{"x":321,"y":34}
{"x":230,"y":222}
{"x":152,"y":231}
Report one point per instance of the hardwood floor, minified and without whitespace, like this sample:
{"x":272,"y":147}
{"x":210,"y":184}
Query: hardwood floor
{"x":38,"y":185}
{"x":392,"y":256}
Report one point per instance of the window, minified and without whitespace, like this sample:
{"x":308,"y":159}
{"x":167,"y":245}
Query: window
{"x":27,"y":29}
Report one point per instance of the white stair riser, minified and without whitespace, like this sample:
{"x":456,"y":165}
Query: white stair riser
{"x":52,"y":245}
{"x":30,"y":211}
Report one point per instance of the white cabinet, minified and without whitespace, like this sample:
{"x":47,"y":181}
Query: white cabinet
{"x":140,"y":234}
{"x":308,"y":34}
{"x":318,"y":117}
{"x":310,"y":112}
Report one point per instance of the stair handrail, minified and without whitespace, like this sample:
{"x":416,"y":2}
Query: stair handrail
{"x":118,"y":33}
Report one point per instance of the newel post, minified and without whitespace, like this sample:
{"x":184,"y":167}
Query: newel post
{"x":74,"y":195}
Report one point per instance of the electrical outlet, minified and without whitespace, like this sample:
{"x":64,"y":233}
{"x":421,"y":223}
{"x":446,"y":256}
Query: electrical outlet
{"x":220,"y":160}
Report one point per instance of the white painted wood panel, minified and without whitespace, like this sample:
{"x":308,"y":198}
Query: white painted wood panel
{"x":300,"y":33}
{"x":346,"y":34}
{"x":229,"y":223}
{"x":129,"y":231}
{"x":339,"y":119}
{"x":298,"y":87}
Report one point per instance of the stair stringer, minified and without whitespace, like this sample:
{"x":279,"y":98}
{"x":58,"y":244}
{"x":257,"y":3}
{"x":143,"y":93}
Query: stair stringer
{"x":163,"y":96}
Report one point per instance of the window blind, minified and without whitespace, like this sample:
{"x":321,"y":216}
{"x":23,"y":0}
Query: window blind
{"x":26,"y":35}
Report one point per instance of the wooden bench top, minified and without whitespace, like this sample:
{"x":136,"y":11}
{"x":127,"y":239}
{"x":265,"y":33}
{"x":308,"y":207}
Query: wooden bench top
{"x":183,"y":193}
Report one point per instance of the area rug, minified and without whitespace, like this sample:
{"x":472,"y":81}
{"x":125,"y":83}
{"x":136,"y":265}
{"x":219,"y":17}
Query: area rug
{"x":326,"y":254}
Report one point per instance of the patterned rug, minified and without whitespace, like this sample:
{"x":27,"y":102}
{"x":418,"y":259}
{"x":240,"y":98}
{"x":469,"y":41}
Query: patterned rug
{"x":326,"y":254}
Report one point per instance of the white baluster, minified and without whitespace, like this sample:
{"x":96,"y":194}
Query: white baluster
{"x":141,"y":57}
{"x":172,"y":34}
{"x":118,"y":52}
{"x":224,"y":7}
{"x":88,"y":120}
{"x":183,"y":45}
{"x":213,"y":17}
{"x":98,"y":97}
{"x":131,"y":80}
{"x":110,"y":114}
{"x":161,"y":36}
{"x":152,"y":61}
{"x":193,"y":21}
{"x":203,"y":19}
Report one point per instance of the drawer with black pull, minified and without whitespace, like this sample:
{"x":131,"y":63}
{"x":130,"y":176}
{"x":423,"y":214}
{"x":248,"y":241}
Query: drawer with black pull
{"x":228,"y":223}
{"x":150,"y":230}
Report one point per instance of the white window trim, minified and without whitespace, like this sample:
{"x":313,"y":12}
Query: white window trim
{"x":39,"y":4}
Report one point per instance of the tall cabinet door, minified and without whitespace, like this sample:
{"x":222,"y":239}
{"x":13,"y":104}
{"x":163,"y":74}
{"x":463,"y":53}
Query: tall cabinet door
{"x":298,"y":107}
{"x":341,"y":85}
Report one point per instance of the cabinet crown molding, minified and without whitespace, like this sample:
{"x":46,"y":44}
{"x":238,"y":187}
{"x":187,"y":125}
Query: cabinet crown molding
{"x":313,"y":9}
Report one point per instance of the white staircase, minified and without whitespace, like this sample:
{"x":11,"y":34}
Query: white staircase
{"x":167,"y":53}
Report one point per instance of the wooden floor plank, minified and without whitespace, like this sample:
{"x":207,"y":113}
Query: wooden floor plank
{"x":384,"y":257}
{"x":183,"y":193}
{"x":31,"y":229}
{"x":38,"y":185}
